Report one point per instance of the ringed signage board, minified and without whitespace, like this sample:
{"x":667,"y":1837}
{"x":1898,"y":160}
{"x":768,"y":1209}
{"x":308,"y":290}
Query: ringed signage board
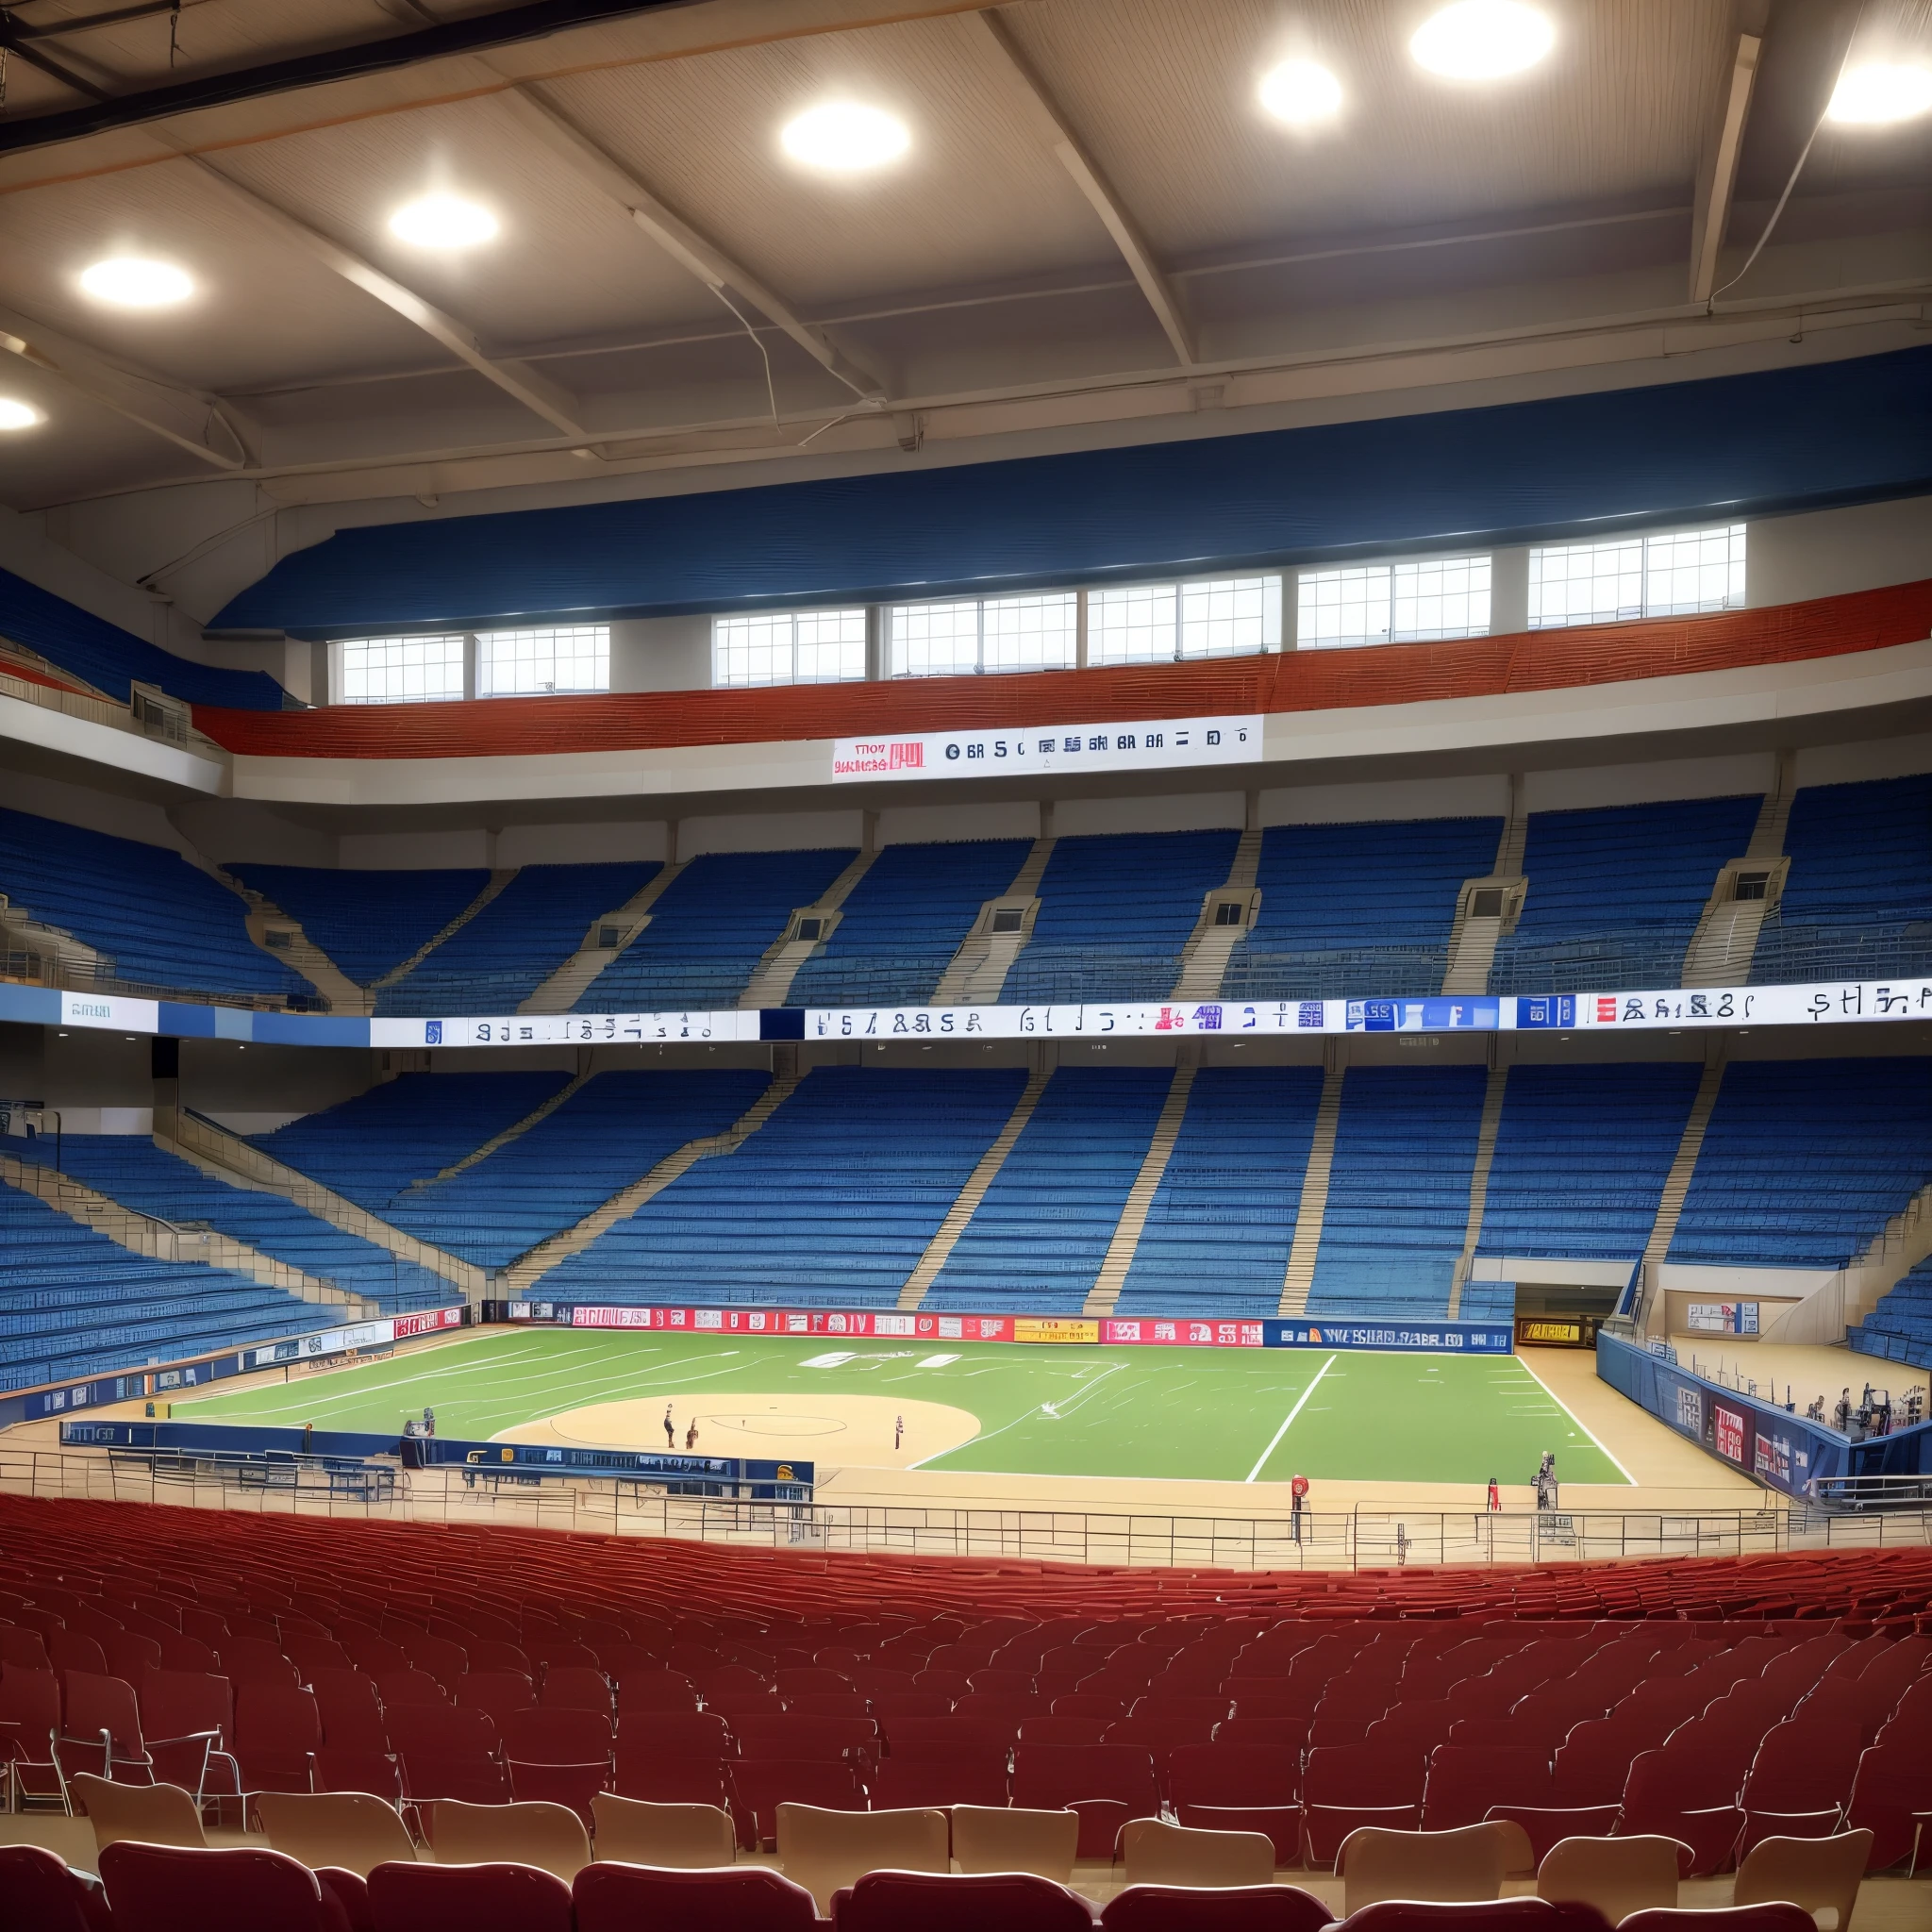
{"x":1151,"y":744}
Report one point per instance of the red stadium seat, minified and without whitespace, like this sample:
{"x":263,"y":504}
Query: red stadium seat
{"x":100,"y":1730}
{"x":572,"y":1686}
{"x":1799,"y":1781}
{"x":559,"y":1757}
{"x":937,"y":1781}
{"x":277,"y":1726}
{"x":621,"y":1898}
{"x":960,"y":1901}
{"x":1231,"y":1909}
{"x":188,"y":1717}
{"x":1238,"y":1788}
{"x":343,"y":1770}
{"x":1346,"y":1786}
{"x":170,"y":1889}
{"x":40,"y":1892}
{"x":1497,"y":1915}
{"x":1684,"y":1796}
{"x":1768,"y":1917}
{"x":1892,"y":1797}
{"x":1465,"y":1781}
{"x":351,"y":1711}
{"x":760,"y":1787}
{"x":468,"y":1898}
{"x":499,"y":1692}
{"x":1048,"y":1777}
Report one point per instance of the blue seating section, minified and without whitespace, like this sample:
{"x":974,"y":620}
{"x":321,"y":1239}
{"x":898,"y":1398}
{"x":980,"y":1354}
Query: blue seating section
{"x":1900,"y":1328}
{"x":111,"y":660}
{"x":372,"y":1147}
{"x":493,"y":962}
{"x":161,"y":920}
{"x":708,"y":929}
{"x":830,"y":1204}
{"x":1036,"y":1242}
{"x":1223,"y":1219}
{"x":1805,"y":1162}
{"x":1487,"y":1300}
{"x":1615,"y":892}
{"x":904,"y":922}
{"x":1358,"y":908}
{"x":611,"y":1132}
{"x":1115,"y":911}
{"x":130,"y":1169}
{"x":1582,"y":1155}
{"x":366,"y":922}
{"x":1857,"y":901}
{"x":73,"y":1303}
{"x":1398,"y":1192}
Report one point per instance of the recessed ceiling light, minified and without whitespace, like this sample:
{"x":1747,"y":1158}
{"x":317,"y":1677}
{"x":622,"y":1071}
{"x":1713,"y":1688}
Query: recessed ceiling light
{"x":15,"y":414}
{"x":443,"y":221}
{"x":1881,"y":92}
{"x":1482,"y":39}
{"x":130,"y":281}
{"x":845,"y":137}
{"x":1301,"y":93}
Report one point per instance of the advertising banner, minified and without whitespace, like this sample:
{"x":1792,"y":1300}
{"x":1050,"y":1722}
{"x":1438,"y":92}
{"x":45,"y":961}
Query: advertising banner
{"x":1434,"y":1338}
{"x":1108,"y":1331}
{"x":1723,"y":1318}
{"x":1150,"y":745}
{"x":326,"y":1341}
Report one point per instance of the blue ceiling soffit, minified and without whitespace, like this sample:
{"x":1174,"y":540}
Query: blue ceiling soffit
{"x":1797,"y":438}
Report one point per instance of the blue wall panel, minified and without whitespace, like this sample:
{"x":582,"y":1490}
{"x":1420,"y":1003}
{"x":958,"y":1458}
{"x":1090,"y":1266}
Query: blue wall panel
{"x":1838,"y":432}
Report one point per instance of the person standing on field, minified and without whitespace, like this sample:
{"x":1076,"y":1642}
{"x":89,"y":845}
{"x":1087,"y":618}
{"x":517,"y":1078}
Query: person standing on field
{"x":690,"y":1436}
{"x":1298,"y":1500}
{"x":898,"y":1431}
{"x":1495,"y":1494}
{"x":670,"y":1430}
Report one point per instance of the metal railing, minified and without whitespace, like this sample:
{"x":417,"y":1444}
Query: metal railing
{"x":1359,"y":1539}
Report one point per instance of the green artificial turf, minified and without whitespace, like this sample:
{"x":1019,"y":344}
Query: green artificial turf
{"x":1200,"y":1413}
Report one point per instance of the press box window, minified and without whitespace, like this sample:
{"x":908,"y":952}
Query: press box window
{"x":788,"y":647}
{"x":1750,"y":885}
{"x":402,"y":671}
{"x":1672,"y":575}
{"x":1424,"y":601}
{"x":1155,"y":624}
{"x":964,"y":637}
{"x":530,"y":663}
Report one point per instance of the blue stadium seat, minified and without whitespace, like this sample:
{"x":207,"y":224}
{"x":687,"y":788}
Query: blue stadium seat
{"x":366,"y":922}
{"x":1398,"y":1192}
{"x":1036,"y":1242}
{"x":1900,"y":1328}
{"x":611,"y":1132}
{"x":1221,"y":1222}
{"x":1805,"y":1162}
{"x":493,"y":962}
{"x":1115,"y":911}
{"x":1616,"y":891}
{"x":130,"y":1169}
{"x":1358,"y":908}
{"x":830,"y":1204}
{"x":1857,"y":901}
{"x":161,"y":922}
{"x":710,"y":928}
{"x":73,"y":1303}
{"x":1582,"y":1155}
{"x":372,"y":1147}
{"x":904,"y":922}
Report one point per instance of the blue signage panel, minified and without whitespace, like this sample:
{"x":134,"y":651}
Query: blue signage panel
{"x":1420,"y":1338}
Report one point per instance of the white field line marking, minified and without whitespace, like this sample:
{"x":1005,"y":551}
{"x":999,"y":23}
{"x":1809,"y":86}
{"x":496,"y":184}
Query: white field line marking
{"x":1288,"y":1422}
{"x":1025,"y":1415}
{"x":1578,"y":1420}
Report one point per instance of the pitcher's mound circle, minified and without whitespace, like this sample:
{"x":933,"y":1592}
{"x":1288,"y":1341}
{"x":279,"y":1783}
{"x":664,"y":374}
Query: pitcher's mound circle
{"x":862,"y":1431}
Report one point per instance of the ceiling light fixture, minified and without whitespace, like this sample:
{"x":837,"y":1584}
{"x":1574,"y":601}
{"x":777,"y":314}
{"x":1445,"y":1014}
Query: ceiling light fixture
{"x":131,"y":281}
{"x":15,"y":414}
{"x":1482,"y":39}
{"x":443,"y":221}
{"x":1880,"y":93}
{"x":1301,"y":93}
{"x":844,"y":137}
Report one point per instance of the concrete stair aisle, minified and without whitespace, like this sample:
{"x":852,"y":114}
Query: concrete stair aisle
{"x":1488,"y":907}
{"x":946,"y":1238}
{"x":978,"y":970}
{"x":241,"y":1164}
{"x":515,"y":1131}
{"x":1479,"y":1182}
{"x":1300,"y":1276}
{"x":162,"y":1241}
{"x":1205,"y":957}
{"x":295,"y":948}
{"x":523,"y":1273}
{"x":1106,"y":1292}
{"x":569,"y":983}
{"x":1726,"y":941}
{"x":1677,"y":1186}
{"x":771,"y":984}
{"x":498,"y":880}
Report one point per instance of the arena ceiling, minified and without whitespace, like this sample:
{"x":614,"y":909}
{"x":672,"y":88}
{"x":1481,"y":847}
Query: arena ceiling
{"x":1093,"y":218}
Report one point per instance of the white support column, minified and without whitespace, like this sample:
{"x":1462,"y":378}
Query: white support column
{"x":1509,"y":592}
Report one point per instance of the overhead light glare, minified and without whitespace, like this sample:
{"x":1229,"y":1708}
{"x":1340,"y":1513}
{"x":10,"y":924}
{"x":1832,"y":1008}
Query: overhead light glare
{"x":1879,"y":92}
{"x":130,"y":281}
{"x":15,"y":414}
{"x":443,"y":221}
{"x":1302,"y":93}
{"x":1482,"y":39}
{"x":844,"y":137}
